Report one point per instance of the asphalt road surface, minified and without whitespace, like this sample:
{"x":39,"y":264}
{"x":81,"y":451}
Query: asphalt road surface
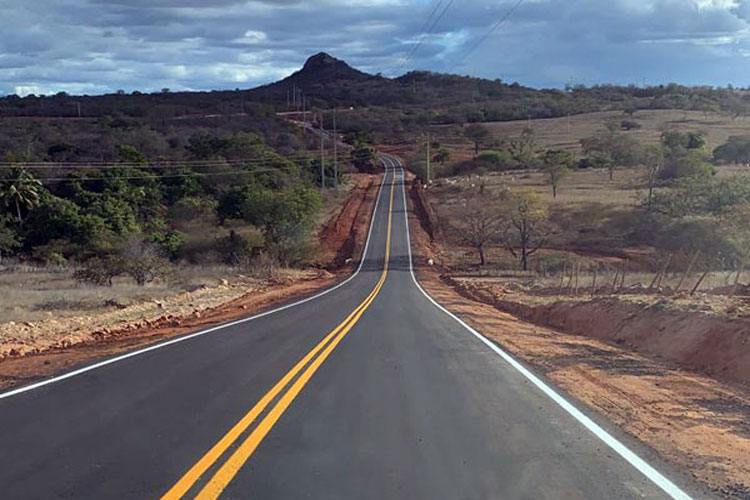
{"x":368,"y":391}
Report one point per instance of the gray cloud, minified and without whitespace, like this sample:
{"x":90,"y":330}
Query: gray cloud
{"x":103,"y":45}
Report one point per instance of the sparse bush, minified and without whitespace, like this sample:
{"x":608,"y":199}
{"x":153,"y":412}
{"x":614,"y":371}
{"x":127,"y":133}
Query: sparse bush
{"x":54,"y":253}
{"x":142,"y":261}
{"x":137,"y":258}
{"x":630,"y":125}
{"x":99,"y":271}
{"x":262,"y":266}
{"x":692,"y":163}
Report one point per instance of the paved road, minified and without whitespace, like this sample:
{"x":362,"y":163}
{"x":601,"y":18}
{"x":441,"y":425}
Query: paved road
{"x":367,"y":392}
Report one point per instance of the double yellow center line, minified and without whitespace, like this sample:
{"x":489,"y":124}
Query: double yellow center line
{"x":308,"y":365}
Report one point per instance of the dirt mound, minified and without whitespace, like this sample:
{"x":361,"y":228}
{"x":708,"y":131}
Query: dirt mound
{"x":717,"y":346}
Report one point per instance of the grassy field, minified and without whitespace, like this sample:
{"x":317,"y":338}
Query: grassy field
{"x":580,"y":187}
{"x":33,"y":293}
{"x":566,"y":133}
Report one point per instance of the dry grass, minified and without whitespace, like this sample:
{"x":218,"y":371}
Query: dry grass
{"x":564,"y":133}
{"x":33,"y":293}
{"x":581,"y":186}
{"x":711,"y":297}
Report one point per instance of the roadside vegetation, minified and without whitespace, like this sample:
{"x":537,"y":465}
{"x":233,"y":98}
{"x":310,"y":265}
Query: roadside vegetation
{"x":664,"y":214}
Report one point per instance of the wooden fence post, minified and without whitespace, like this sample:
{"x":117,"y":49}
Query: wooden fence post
{"x":593,"y":281}
{"x":688,"y":270}
{"x":614,"y":282}
{"x":700,"y":280}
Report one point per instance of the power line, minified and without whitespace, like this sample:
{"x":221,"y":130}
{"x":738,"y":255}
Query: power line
{"x":113,"y":165}
{"x":431,"y":27}
{"x":482,"y":39}
{"x":149,"y":176}
{"x":163,"y":176}
{"x":423,"y":30}
{"x":166,"y":163}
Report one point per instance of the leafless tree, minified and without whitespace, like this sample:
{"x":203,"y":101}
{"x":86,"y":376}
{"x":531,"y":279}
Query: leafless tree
{"x":526,"y":227}
{"x":481,"y":224}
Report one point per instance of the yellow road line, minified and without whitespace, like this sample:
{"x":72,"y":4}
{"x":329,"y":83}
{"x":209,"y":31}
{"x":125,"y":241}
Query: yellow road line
{"x":225,"y":474}
{"x":232,"y":466}
{"x":192,"y":475}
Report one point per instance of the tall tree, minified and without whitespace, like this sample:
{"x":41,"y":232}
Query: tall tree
{"x":478,"y":134}
{"x":557,"y":163}
{"x":523,"y":148}
{"x":8,"y":239}
{"x":735,"y":150}
{"x":612,"y":148}
{"x":653,"y":162}
{"x":19,"y":189}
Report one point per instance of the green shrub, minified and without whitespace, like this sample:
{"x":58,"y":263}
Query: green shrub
{"x":58,"y":219}
{"x":194,"y":210}
{"x":735,"y":150}
{"x":701,"y":196}
{"x":497,"y":160}
{"x":9,"y":241}
{"x":169,"y":242}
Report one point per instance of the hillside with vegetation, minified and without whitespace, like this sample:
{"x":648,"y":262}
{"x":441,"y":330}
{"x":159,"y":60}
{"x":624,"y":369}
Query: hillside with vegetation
{"x":221,"y":177}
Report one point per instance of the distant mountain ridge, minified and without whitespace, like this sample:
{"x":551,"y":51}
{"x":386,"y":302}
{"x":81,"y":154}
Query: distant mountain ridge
{"x":325,"y":67}
{"x":322,"y":77}
{"x":415,"y":98}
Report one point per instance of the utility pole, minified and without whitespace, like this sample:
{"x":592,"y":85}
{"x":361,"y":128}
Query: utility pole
{"x":335,"y":153}
{"x":322,"y":160}
{"x":287,"y":99}
{"x":294,"y":96}
{"x":304,"y":113}
{"x":428,"y":160}
{"x":79,"y":109}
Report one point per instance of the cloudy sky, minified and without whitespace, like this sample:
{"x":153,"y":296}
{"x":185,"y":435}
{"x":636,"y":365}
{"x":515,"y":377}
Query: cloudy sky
{"x":95,"y":46}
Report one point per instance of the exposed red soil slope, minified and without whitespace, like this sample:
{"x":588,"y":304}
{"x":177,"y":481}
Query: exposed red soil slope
{"x":343,"y":234}
{"x":714,"y":345}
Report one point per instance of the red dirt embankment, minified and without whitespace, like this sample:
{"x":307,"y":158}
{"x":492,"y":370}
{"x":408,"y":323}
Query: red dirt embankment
{"x":344,"y":234}
{"x":714,"y":345}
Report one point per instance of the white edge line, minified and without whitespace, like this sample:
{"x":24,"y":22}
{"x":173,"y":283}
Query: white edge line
{"x":183,"y":338}
{"x":647,"y":470}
